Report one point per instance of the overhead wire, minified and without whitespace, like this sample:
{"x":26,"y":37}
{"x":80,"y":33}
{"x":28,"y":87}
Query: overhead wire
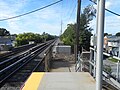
{"x":107,"y":9}
{"x":68,"y":12}
{"x":68,"y":8}
{"x":72,"y":11}
{"x":31,"y":11}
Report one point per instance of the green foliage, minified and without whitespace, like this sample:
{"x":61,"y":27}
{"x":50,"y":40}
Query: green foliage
{"x":47,"y":36}
{"x":112,"y":59}
{"x":118,"y":34}
{"x":24,"y":38}
{"x":107,"y":68}
{"x":68,"y":37}
{"x":105,"y":34}
{"x":4,"y":32}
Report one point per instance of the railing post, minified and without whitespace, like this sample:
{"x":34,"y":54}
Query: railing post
{"x":79,"y":62}
{"x":81,"y":65}
{"x":46,"y":64}
{"x":50,"y":58}
{"x":94,"y":71}
{"x":91,"y":57}
{"x":117,"y":73}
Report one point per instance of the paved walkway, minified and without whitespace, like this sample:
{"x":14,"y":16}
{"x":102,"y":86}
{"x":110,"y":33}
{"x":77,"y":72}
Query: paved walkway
{"x":60,"y":81}
{"x":61,"y":77}
{"x":67,"y":81}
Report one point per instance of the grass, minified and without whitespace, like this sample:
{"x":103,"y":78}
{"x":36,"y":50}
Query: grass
{"x":112,"y":59}
{"x":107,"y":68}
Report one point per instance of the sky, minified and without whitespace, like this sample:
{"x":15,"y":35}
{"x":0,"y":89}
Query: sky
{"x":49,"y":19}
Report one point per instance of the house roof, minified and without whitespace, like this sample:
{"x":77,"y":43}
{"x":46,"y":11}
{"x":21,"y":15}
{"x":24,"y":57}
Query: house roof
{"x":113,"y":38}
{"x":5,"y":40}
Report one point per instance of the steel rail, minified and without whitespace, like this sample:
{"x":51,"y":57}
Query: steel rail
{"x":22,"y":54}
{"x":23,"y":60}
{"x":18,"y":60}
{"x":16,"y":50}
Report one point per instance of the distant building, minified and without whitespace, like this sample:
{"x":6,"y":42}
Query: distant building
{"x":114,"y":44}
{"x":111,"y":44}
{"x":31,"y":42}
{"x":6,"y":43}
{"x":113,"y":41}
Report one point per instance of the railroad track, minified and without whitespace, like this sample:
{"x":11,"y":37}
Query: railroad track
{"x":21,"y":66}
{"x":16,"y":51}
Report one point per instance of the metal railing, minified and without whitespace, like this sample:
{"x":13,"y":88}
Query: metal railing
{"x":90,"y":64}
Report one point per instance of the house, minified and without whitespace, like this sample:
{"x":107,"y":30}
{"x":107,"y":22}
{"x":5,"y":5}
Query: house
{"x":112,"y":45}
{"x":6,"y":43}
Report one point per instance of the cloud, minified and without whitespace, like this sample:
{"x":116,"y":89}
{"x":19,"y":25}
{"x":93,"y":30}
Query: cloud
{"x":118,"y":17}
{"x":10,"y":9}
{"x":108,"y":4}
{"x":47,"y":20}
{"x":112,"y":24}
{"x":113,"y":5}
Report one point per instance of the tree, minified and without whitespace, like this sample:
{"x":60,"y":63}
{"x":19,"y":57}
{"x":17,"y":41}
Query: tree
{"x":118,"y":34}
{"x":4,"y":32}
{"x":47,"y":36}
{"x":105,"y":34}
{"x":68,"y":37}
{"x":85,"y":30}
{"x":24,"y":38}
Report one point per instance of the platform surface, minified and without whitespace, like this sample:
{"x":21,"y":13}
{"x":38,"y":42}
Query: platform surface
{"x":60,"y":81}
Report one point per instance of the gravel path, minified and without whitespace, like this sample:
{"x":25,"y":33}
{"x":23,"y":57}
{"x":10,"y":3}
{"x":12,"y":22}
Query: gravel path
{"x":63,"y":63}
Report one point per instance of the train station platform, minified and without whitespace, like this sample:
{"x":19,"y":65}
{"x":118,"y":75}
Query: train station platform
{"x":60,"y":81}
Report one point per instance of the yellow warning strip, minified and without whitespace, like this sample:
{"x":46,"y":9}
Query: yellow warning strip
{"x":33,"y":82}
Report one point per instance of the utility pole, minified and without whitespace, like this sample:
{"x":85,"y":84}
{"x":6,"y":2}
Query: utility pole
{"x":100,"y":39}
{"x":119,"y":49}
{"x":77,"y":29}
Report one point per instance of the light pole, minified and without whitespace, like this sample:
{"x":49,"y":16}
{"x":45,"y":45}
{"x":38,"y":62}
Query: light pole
{"x":100,"y":39}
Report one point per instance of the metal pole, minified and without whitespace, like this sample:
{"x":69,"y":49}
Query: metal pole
{"x":117,"y":74}
{"x":77,"y":29}
{"x":94,"y":73}
{"x":91,"y":57}
{"x":95,"y":44}
{"x":97,"y":17}
{"x":81,"y":66}
{"x":100,"y":39}
{"x":119,"y":49}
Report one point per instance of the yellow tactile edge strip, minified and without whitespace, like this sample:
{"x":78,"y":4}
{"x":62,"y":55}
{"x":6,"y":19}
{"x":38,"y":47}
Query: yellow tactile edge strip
{"x":33,"y":82}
